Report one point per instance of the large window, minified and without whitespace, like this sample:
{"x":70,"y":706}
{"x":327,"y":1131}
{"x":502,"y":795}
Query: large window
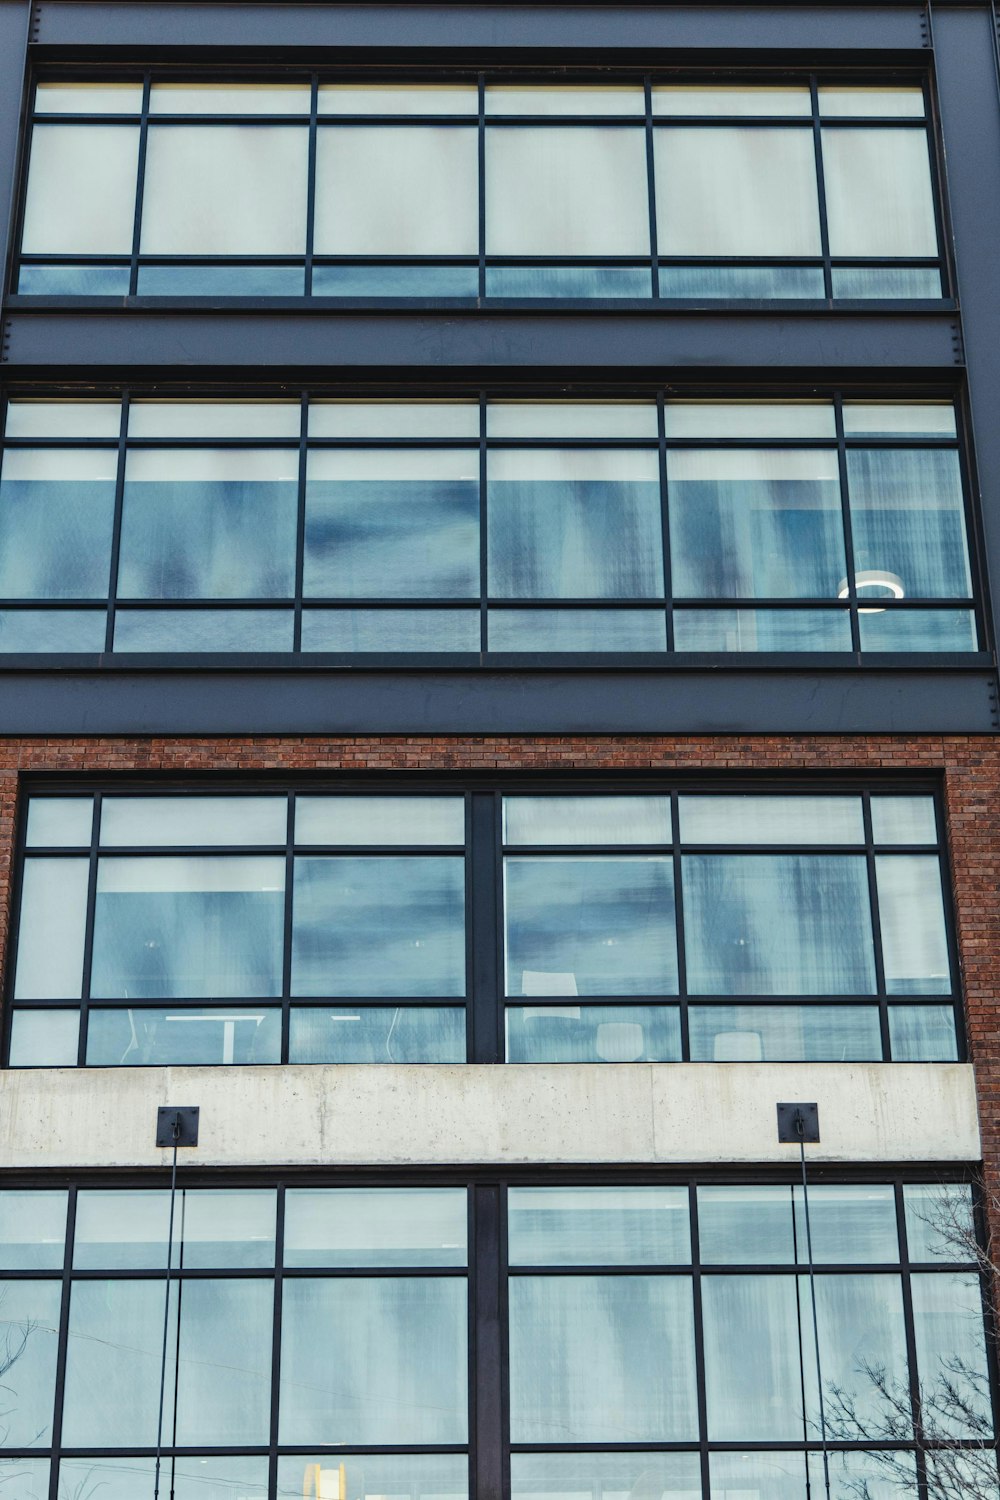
{"x":484,"y":528}
{"x":322,"y":1343}
{"x":815,"y":189}
{"x":353,"y":927}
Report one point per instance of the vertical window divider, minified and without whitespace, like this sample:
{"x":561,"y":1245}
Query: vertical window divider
{"x":845,"y":512}
{"x":286,"y":957}
{"x":133,"y":275}
{"x":481,"y":90}
{"x":951,"y":930}
{"x":651,"y":194}
{"x":88,"y":938}
{"x":116,"y":525}
{"x":883,"y":1004}
{"x":701,"y":1378}
{"x":824,"y":227}
{"x":799,"y":1330}
{"x":484,"y":618}
{"x":484,"y":934}
{"x":62,"y":1348}
{"x":311,"y":186}
{"x":489,"y":1447}
{"x":300,"y":523}
{"x":279,"y":1263}
{"x":909,"y":1329}
{"x":661,"y":437}
{"x":682,"y":994}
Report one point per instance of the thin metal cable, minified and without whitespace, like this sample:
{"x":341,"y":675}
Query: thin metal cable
{"x":166,"y":1310}
{"x":800,"y":1127}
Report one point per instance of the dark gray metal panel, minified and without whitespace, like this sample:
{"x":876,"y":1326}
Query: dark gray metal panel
{"x":576,"y":29}
{"x":15,"y":17}
{"x":314,"y":340}
{"x":485,"y":702}
{"x":970,"y":122}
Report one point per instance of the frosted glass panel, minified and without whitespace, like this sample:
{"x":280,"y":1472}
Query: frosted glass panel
{"x":379,"y":820}
{"x":564,"y":99}
{"x":560,"y":191}
{"x":375,"y":1227}
{"x":899,"y":419}
{"x":398,"y":99}
{"x":861,"y":101}
{"x":771,"y":820}
{"x":394,"y":419}
{"x":397,"y":191}
{"x":879,"y":199}
{"x":749,"y":419}
{"x":88,"y":98}
{"x":570,"y":630}
{"x":81,"y":190}
{"x":225,"y":190}
{"x":51,"y":929}
{"x":44,"y":1038}
{"x":736,"y":191}
{"x":586,"y":820}
{"x":229,"y":99}
{"x":911,"y":910}
{"x":214,"y":419}
{"x":568,"y":419}
{"x":160,"y":821}
{"x":63,"y":419}
{"x":59,"y":822}
{"x":743,"y":99}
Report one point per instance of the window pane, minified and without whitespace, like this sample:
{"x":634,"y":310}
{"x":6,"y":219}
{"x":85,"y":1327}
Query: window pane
{"x":575,"y":524}
{"x":849,"y":1224}
{"x":760,"y":1476}
{"x":749,"y":419}
{"x":375,"y":1227}
{"x":879,"y":199}
{"x":899,"y":419}
{"x":923,"y":1033}
{"x":81,"y":190}
{"x":594,"y":1226}
{"x":569,"y":1476}
{"x":391,"y":190}
{"x":400,"y":1372}
{"x":56,"y":515}
{"x":379,"y":820}
{"x":29,"y":1326}
{"x":57,"y":630}
{"x":740,"y":190}
{"x":162,"y":1038}
{"x":859,"y":99}
{"x":209,"y":524}
{"x":225,"y":1400}
{"x":128,"y":1230}
{"x":771,"y":820}
{"x":225,"y":190}
{"x":51,"y":929}
{"x":394,"y":419}
{"x":951,"y":1354}
{"x":213,"y":419}
{"x":742,"y":99}
{"x":641,"y":1387}
{"x":229,"y":99}
{"x":32,"y":1230}
{"x":392,"y":524}
{"x":728,"y":282}
{"x":572,"y":280}
{"x":164,"y":631}
{"x":755,"y":522}
{"x":371,"y":1476}
{"x":907,"y":518}
{"x":762,"y":630}
{"x":586,"y":820}
{"x":577,"y":630}
{"x":571,"y":419}
{"x":918,"y":630}
{"x":752,"y":1368}
{"x":44,"y":1038}
{"x":778,"y":924}
{"x":746,"y":1225}
{"x":904,"y":820}
{"x":785,"y":1033}
{"x":911,"y":913}
{"x":206,"y":925}
{"x":62,"y":419}
{"x":564,"y":99}
{"x":398,"y":99}
{"x":593,"y":1033}
{"x":70,"y":98}
{"x":590,"y":926}
{"x":379,"y":926}
{"x":939,"y":1221}
{"x":390,"y":631}
{"x":372,"y":1034}
{"x":189,"y":1478}
{"x":59,"y":822}
{"x":860,"y":1332}
{"x":162,"y":821}
{"x":556,"y":190}
{"x":920,"y":282}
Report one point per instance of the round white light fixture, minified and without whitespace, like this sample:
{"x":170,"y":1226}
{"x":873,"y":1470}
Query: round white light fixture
{"x":873,"y":578}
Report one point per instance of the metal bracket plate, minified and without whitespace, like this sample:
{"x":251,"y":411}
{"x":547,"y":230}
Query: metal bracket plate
{"x":183,"y":1118}
{"x":798,"y":1122}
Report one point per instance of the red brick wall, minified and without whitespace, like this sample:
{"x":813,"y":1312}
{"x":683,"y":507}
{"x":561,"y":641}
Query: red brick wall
{"x":968,"y":767}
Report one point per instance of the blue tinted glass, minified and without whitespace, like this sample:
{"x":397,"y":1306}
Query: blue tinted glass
{"x":886,"y":281}
{"x":918,"y":630}
{"x":39,"y":630}
{"x":748,"y":523}
{"x":29,"y":1327}
{"x":785,"y":1033}
{"x":55,"y":525}
{"x":392,"y":525}
{"x":221,"y":533}
{"x":25,"y":1478}
{"x":593,"y":1033}
{"x":379,"y":926}
{"x":404,"y":1034}
{"x":739,"y":282}
{"x":908,"y":521}
{"x":73,"y":281}
{"x":166,"y":1038}
{"x":577,"y":630}
{"x":202,"y":926}
{"x":395,"y":281}
{"x":762,"y":630}
{"x":593,"y":925}
{"x":569,"y":281}
{"x":778,"y":924}
{"x":390,"y":630}
{"x":221,"y":281}
{"x":234,"y":630}
{"x":922,"y":1033}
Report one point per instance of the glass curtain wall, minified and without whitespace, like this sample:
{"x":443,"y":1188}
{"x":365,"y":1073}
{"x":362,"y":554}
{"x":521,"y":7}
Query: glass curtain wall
{"x":484,"y":529}
{"x":337,"y":927}
{"x":634,"y":189}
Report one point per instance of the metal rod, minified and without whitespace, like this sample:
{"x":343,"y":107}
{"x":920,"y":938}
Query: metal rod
{"x":166,"y":1308}
{"x":800,"y":1128}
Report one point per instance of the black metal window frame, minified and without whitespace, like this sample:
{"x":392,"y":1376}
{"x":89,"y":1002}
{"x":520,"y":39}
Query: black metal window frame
{"x":480,"y":265}
{"x":488,"y":1273}
{"x":485,"y":1001}
{"x":666,"y":606}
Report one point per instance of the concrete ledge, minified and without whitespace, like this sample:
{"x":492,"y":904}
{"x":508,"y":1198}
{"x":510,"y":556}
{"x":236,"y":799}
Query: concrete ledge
{"x":396,"y":1115}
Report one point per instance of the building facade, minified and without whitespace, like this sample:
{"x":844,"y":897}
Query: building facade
{"x":499,"y":542}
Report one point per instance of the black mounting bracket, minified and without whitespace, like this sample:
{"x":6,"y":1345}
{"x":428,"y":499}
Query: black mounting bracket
{"x":177,"y":1125}
{"x":798,"y":1122}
